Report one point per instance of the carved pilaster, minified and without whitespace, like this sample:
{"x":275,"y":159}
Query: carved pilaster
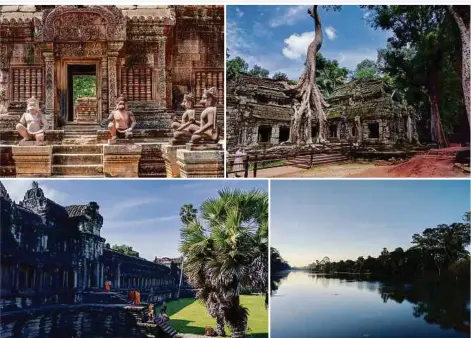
{"x":113,"y":52}
{"x":112,"y":80}
{"x":104,"y":87}
{"x":50,"y":88}
{"x":161,"y":63}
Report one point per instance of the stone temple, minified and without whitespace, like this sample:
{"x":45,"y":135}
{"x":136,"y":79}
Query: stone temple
{"x":54,"y":256}
{"x":149,"y":55}
{"x":366,"y":112}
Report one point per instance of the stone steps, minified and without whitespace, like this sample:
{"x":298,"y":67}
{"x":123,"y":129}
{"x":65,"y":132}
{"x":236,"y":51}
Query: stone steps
{"x":77,"y":160}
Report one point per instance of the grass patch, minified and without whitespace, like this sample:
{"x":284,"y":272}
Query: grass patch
{"x":270,"y":164}
{"x":188,"y":315}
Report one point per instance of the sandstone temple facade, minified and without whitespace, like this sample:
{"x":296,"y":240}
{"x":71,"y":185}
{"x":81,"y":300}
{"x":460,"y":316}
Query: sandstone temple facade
{"x":53,"y":254}
{"x":366,"y":112}
{"x":150,"y":55}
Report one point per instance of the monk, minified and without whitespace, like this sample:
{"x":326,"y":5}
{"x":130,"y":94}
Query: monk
{"x":121,"y":121}
{"x":138,"y":298}
{"x":32,"y":123}
{"x":107,"y":286}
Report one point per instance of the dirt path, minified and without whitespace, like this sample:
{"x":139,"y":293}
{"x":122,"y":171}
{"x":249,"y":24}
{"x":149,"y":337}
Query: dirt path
{"x":435,"y":163}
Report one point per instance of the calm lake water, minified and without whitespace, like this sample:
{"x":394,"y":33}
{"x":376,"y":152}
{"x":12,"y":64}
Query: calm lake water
{"x":313,"y":305}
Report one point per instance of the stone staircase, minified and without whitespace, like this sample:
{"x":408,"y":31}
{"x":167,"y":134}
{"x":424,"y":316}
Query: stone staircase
{"x":103,"y":297}
{"x":80,"y":133}
{"x":77,"y":160}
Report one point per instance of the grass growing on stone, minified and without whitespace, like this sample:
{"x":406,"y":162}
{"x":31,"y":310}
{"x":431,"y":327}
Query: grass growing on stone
{"x":270,"y":164}
{"x":188,"y":315}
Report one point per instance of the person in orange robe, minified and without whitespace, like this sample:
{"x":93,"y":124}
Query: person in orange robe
{"x":107,"y":286}
{"x":138,"y":298}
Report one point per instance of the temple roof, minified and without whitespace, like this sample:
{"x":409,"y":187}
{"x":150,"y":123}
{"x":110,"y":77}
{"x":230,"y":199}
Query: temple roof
{"x":367,"y":98}
{"x":78,"y":210}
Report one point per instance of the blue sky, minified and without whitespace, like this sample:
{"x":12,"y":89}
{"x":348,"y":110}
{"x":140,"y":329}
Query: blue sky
{"x":277,"y":37}
{"x":141,"y":213}
{"x":345,"y":219}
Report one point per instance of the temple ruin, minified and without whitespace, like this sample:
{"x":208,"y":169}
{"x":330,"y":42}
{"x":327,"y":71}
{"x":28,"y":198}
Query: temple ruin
{"x":149,"y":55}
{"x":54,"y":263}
{"x":361,"y":112}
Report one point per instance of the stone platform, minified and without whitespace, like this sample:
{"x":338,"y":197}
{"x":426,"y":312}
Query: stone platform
{"x":200,"y":163}
{"x":121,"y":160}
{"x":169,"y":153}
{"x":32,"y":160}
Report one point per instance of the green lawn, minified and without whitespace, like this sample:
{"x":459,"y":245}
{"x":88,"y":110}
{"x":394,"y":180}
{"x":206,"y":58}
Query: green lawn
{"x":188,"y":315}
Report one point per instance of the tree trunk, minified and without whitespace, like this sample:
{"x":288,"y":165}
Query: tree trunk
{"x":461,"y":16}
{"x":220,"y":326}
{"x":306,"y":90}
{"x":236,"y":318}
{"x":436,"y":123}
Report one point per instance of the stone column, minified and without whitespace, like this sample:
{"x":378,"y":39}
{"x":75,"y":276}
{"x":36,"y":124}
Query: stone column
{"x":50,"y":88}
{"x":97,"y":274}
{"x":275,"y":134}
{"x":113,"y":52}
{"x":75,"y":278}
{"x":104,"y":88}
{"x":84,"y":275}
{"x":161,"y":63}
{"x":118,"y":274}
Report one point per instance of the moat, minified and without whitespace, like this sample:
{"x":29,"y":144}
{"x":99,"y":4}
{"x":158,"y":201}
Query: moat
{"x":316,"y":305}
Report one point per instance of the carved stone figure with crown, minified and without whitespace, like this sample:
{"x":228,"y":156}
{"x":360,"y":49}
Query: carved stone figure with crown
{"x":183,"y":129}
{"x":121,"y":120}
{"x":32,"y":123}
{"x":208,"y":130}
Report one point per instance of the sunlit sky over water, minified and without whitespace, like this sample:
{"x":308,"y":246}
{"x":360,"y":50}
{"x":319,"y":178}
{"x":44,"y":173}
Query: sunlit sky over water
{"x":345,"y":219}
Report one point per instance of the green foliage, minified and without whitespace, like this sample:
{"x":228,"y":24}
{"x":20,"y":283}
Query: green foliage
{"x":236,"y":66}
{"x":280,"y":76}
{"x":425,"y":45}
{"x":227,"y":251}
{"x":329,"y":74}
{"x":366,"y":69}
{"x":438,"y":249}
{"x":125,"y":249}
{"x":188,"y":214}
{"x":259,"y":71}
{"x":84,"y":86}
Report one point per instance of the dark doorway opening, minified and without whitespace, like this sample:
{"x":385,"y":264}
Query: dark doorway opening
{"x":81,"y":82}
{"x":264,"y":134}
{"x":333,"y":130}
{"x":284,"y":134}
{"x":373,"y":130}
{"x":354,"y":131}
{"x":315,"y":131}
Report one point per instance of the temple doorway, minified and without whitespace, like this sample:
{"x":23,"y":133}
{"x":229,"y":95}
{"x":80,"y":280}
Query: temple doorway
{"x":82,"y":89}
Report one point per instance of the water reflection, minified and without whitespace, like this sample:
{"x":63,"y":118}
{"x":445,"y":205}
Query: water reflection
{"x":353,"y":306}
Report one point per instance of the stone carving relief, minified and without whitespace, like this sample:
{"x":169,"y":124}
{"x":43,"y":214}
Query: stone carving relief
{"x":71,"y":23}
{"x":89,"y":49}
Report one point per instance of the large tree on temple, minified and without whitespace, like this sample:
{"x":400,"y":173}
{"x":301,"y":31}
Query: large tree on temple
{"x":312,"y":103}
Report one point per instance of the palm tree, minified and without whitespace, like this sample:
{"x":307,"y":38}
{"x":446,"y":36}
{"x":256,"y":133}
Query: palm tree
{"x":187,"y":213}
{"x":227,"y":253}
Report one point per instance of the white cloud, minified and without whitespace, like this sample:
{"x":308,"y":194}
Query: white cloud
{"x":118,"y":209}
{"x":296,"y":45}
{"x":239,"y":12}
{"x":331,"y":33}
{"x":17,"y":188}
{"x":350,"y":58}
{"x":289,"y":16}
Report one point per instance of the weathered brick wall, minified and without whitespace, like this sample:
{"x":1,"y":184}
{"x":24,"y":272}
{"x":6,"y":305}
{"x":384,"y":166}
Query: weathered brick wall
{"x":198,"y":42}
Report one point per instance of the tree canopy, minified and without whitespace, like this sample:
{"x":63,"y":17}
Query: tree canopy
{"x":125,"y":249}
{"x":366,"y":69}
{"x":84,"y":86}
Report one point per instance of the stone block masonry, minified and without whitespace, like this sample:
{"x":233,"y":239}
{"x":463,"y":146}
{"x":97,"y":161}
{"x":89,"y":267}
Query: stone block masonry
{"x":121,"y":160}
{"x":32,"y":161}
{"x":200,"y":163}
{"x":169,"y":153}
